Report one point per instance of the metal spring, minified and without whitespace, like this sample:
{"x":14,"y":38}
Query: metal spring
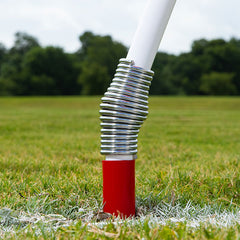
{"x":124,"y":107}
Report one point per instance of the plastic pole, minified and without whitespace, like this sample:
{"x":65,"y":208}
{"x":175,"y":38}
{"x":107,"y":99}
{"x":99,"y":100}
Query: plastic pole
{"x":149,"y":32}
{"x":119,"y":170}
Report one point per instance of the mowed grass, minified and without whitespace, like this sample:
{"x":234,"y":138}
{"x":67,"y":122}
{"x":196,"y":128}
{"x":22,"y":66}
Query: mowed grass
{"x":188,"y":150}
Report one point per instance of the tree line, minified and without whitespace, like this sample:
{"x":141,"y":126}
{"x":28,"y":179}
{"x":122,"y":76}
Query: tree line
{"x":212,"y":67}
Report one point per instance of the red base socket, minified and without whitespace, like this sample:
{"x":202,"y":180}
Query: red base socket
{"x":119,"y":187}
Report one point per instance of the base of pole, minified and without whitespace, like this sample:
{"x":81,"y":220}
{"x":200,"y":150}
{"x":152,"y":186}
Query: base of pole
{"x":119,"y":187}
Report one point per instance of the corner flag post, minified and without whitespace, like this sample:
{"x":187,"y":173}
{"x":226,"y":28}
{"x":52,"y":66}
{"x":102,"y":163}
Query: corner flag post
{"x":124,"y":108}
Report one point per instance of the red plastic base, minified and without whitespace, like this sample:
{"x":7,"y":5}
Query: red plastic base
{"x":119,"y":187}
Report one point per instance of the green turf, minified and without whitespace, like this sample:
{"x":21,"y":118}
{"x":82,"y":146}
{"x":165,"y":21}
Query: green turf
{"x":50,"y":162}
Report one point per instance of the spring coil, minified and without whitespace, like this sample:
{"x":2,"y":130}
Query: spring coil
{"x":124,"y":107}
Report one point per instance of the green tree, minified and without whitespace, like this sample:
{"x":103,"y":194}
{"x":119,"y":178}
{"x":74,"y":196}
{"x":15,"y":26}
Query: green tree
{"x":216,"y":83}
{"x":11,"y":70}
{"x":211,"y":67}
{"x":199,"y":46}
{"x":3,"y":52}
{"x":163,"y":80}
{"x":99,"y":56}
{"x":23,"y":43}
{"x":94,"y":79}
{"x":5,"y":85}
{"x":49,"y":71}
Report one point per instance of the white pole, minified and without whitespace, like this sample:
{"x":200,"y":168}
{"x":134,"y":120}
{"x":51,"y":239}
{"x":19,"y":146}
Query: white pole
{"x":149,"y":32}
{"x":146,"y":42}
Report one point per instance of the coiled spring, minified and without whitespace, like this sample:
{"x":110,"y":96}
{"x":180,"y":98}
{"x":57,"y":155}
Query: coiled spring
{"x":124,"y":107}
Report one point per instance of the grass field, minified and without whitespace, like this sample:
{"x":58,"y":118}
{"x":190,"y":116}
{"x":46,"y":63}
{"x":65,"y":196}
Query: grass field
{"x":187,"y":171}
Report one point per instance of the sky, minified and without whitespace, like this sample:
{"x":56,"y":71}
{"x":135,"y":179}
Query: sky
{"x":61,"y":22}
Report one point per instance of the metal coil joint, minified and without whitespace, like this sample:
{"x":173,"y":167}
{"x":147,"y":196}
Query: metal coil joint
{"x":124,"y":107}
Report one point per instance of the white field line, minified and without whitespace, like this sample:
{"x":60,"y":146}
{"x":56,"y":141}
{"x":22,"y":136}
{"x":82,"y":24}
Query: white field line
{"x":192,"y":216}
{"x":163,"y":214}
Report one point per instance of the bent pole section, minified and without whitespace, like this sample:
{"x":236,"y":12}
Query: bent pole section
{"x":124,"y":107}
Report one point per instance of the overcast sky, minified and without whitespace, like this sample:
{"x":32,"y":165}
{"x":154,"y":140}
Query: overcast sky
{"x":60,"y":22}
